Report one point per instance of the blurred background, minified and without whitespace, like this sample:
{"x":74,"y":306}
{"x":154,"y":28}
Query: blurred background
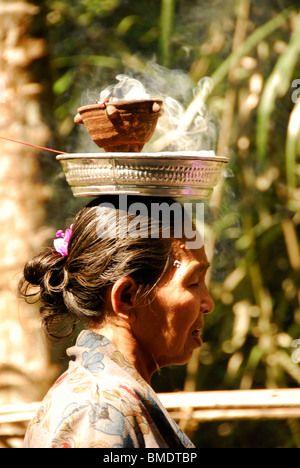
{"x":56,"y":54}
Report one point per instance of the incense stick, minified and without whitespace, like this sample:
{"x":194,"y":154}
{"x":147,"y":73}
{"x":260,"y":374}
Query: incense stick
{"x":34,"y":146}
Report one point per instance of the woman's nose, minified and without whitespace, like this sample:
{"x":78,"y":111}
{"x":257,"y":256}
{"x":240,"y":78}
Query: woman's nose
{"x":207,"y":303}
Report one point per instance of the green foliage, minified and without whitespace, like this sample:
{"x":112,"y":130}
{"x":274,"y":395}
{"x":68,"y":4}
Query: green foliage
{"x":251,"y":51}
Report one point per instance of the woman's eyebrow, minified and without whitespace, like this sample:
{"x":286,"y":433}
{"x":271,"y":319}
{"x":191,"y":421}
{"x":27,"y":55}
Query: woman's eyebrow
{"x":200,"y":267}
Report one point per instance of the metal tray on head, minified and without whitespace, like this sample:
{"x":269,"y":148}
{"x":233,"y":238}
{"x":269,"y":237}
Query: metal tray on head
{"x":192,"y":174}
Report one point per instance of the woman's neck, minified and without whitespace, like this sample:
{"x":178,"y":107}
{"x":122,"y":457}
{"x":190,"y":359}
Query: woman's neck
{"x":124,"y":340}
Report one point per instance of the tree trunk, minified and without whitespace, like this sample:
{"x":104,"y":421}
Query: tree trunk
{"x":23,"y":352}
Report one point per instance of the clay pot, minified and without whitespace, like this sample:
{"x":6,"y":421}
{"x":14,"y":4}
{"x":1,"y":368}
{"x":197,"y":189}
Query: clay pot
{"x":122,"y":126}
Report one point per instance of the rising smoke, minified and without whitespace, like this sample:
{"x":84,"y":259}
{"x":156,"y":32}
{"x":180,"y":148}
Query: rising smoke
{"x":186,"y":123}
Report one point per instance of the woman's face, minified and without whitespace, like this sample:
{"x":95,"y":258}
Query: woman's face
{"x":169,"y":329}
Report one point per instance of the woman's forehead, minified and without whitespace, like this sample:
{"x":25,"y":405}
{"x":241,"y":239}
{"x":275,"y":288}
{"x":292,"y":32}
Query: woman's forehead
{"x":181,"y":252}
{"x":190,"y":261}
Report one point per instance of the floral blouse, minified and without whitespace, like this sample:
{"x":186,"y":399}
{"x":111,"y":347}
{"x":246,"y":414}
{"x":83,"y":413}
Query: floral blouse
{"x":101,"y":401}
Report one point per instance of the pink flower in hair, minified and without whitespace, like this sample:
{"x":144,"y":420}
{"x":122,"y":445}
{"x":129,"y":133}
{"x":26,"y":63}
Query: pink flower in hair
{"x":61,"y":244}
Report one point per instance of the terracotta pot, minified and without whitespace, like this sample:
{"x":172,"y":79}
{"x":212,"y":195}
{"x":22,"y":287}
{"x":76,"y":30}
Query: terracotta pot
{"x":122,"y":126}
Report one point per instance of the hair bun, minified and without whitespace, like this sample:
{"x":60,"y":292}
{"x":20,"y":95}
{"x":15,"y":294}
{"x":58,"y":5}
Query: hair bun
{"x":37,"y":268}
{"x":44,"y":278}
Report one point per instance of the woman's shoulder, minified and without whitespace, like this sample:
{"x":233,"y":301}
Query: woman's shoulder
{"x":83,"y":410}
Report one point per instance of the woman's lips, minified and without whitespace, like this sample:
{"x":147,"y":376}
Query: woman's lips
{"x":196,"y":334}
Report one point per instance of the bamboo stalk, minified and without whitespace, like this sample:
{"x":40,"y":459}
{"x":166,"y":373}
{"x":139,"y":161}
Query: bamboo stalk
{"x":244,"y":48}
{"x":255,"y":38}
{"x":292,"y":244}
{"x":166,"y":24}
{"x":277,"y":85}
{"x":240,"y":414}
{"x":233,"y":399}
{"x":18,"y":413}
{"x":292,"y":147}
{"x":203,"y":406}
{"x":234,"y":405}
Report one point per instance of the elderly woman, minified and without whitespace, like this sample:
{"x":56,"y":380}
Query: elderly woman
{"x":142,"y":300}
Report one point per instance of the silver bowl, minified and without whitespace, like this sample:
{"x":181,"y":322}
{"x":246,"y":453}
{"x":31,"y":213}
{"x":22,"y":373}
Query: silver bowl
{"x":179,"y":175}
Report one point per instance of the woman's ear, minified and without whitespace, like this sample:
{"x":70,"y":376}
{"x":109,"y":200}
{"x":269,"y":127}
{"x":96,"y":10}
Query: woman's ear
{"x":123,"y":296}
